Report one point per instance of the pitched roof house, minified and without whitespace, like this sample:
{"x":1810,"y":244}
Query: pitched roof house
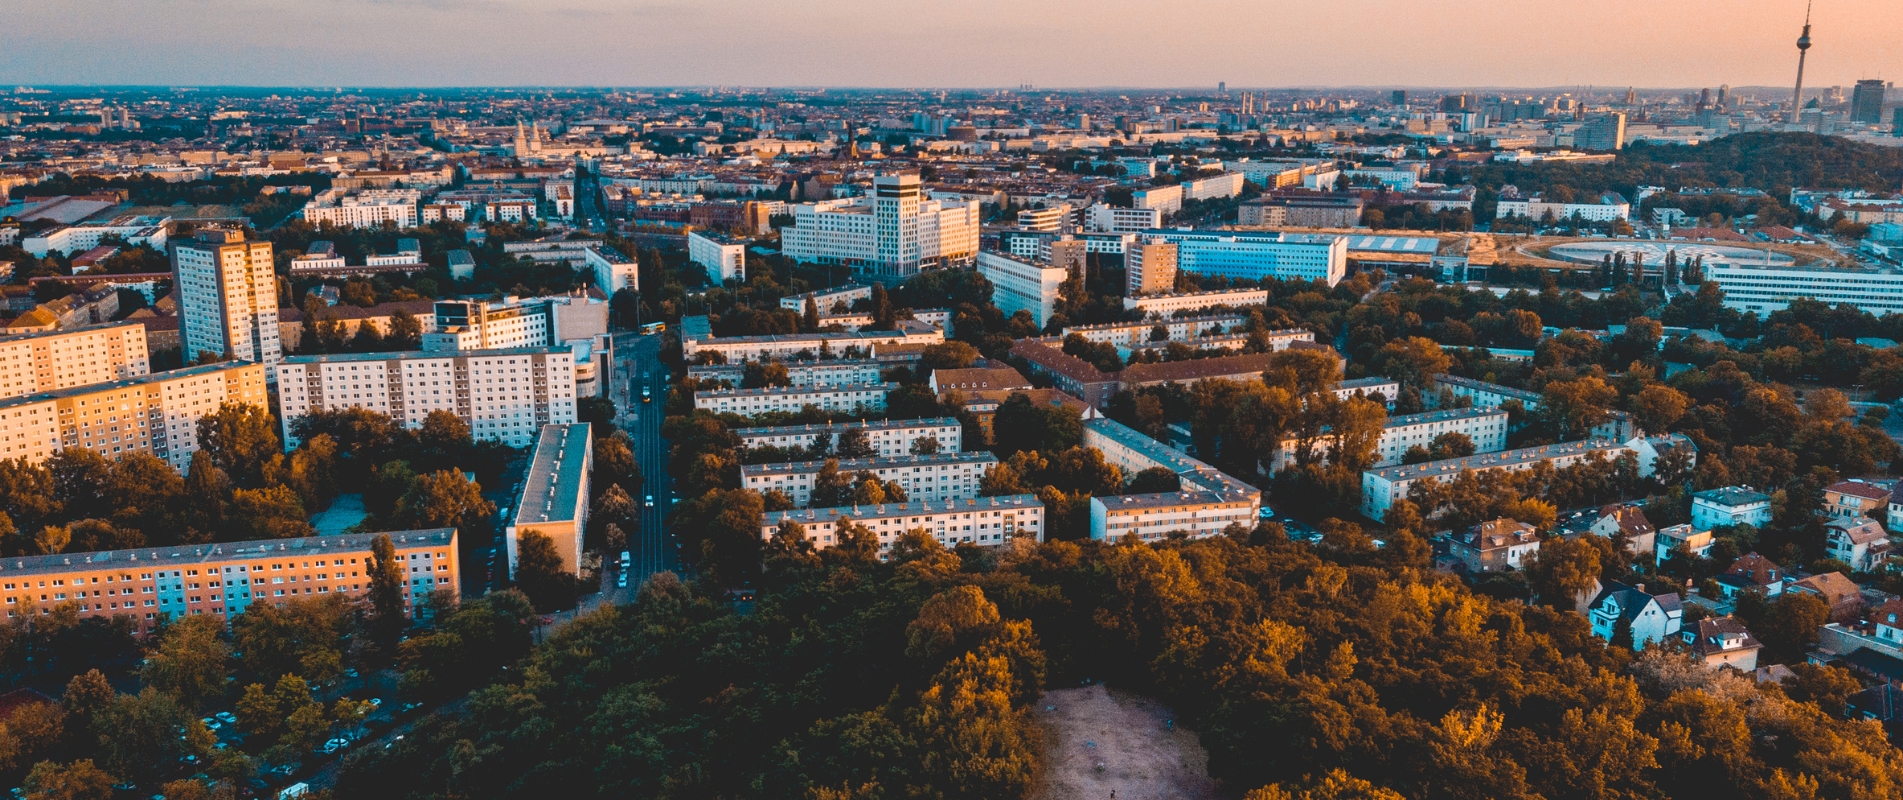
{"x":1723,"y":642}
{"x":1651,"y":618}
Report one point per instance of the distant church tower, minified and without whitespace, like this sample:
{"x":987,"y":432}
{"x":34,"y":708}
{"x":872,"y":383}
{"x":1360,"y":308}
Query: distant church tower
{"x":1803,"y":47}
{"x":521,"y":140}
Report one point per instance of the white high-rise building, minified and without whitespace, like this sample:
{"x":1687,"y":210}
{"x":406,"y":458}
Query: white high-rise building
{"x":504,"y":395}
{"x":227,"y":296}
{"x":62,"y":359}
{"x":723,"y":257}
{"x":1019,"y":285}
{"x":894,"y":232}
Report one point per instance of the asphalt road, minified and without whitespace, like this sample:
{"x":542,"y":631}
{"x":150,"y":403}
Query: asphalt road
{"x":637,"y":365}
{"x":587,"y":210}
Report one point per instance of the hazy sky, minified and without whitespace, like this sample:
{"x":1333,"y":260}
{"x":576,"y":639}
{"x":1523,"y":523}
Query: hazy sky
{"x":963,"y":43}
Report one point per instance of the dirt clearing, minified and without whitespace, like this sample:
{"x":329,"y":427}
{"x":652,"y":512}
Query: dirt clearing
{"x":1101,"y":744}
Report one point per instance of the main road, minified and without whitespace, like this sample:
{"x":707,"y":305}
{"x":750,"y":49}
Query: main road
{"x":637,"y":367}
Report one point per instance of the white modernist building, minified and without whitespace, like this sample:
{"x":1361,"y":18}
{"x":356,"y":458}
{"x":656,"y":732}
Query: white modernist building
{"x":504,"y":395}
{"x":70,"y":239}
{"x":1111,"y":219}
{"x":1609,"y":207}
{"x":894,"y":232}
{"x":792,"y":346}
{"x":938,"y":478}
{"x":1730,"y":505}
{"x":515,"y":322}
{"x":982,"y":521}
{"x":227,"y":295}
{"x":62,"y":359}
{"x":1186,"y":330}
{"x":1207,"y":502}
{"x":1382,"y":486}
{"x":1019,"y":285}
{"x":1762,"y":290}
{"x":828,"y":300}
{"x":1487,"y":427}
{"x":1163,"y":305}
{"x":748,"y":402}
{"x":799,"y":373}
{"x":367,"y":209}
{"x":554,"y":498}
{"x":1254,"y":255}
{"x":889,"y":438}
{"x":723,"y":257}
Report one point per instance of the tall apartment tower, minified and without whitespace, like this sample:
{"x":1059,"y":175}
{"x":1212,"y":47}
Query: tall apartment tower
{"x":895,"y":220}
{"x":1149,"y":268}
{"x":1866,"y":101}
{"x":227,"y":298}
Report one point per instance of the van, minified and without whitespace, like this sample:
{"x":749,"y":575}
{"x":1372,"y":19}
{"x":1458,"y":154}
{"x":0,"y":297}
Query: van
{"x":294,"y":790}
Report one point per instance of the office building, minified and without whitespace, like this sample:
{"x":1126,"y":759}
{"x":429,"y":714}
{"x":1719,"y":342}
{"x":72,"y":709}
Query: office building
{"x":1206,"y":502}
{"x":156,"y":413}
{"x":1382,"y":486}
{"x":1020,"y":285}
{"x":1149,"y":267}
{"x":152,"y":584}
{"x":798,"y":373}
{"x":1866,"y":101}
{"x":554,"y":499}
{"x":1762,"y":290}
{"x":227,"y":295}
{"x":62,"y":359}
{"x":723,"y":257}
{"x":1052,"y":218}
{"x":748,"y":402}
{"x":892,"y":233}
{"x":1486,"y":427}
{"x":1258,"y":255}
{"x":1601,"y":132}
{"x":981,"y":521}
{"x":889,"y":438}
{"x":1110,"y":219}
{"x":934,"y":478}
{"x":504,"y":395}
{"x":1165,"y":305}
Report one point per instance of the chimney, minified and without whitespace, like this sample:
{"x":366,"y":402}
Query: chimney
{"x":1639,"y":586}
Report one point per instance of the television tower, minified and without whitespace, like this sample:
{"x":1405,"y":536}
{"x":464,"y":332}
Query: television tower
{"x":1803,"y":47}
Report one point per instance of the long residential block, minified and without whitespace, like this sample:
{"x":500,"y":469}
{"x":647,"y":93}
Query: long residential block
{"x":1487,"y":427}
{"x":63,"y":359}
{"x":151,"y":584}
{"x":1484,"y":394}
{"x":504,"y":395}
{"x":800,"y":373}
{"x":1381,"y":487}
{"x":888,"y":437}
{"x":1167,"y":304}
{"x":793,"y":398}
{"x":1185,"y":329}
{"x":1208,"y":500}
{"x":949,"y":476}
{"x":807,"y":346}
{"x":156,"y":413}
{"x":554,"y":499}
{"x":981,"y":521}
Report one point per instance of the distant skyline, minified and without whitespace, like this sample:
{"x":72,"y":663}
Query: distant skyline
{"x":967,"y":44}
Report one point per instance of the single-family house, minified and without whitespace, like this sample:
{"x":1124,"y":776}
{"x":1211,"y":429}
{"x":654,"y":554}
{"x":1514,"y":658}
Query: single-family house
{"x":1651,"y":618}
{"x":1697,"y":542}
{"x":1751,"y":573}
{"x":1723,"y":642}
{"x":1494,"y":546}
{"x":1857,"y":541}
{"x":1628,"y":521}
{"x":1856,"y":498}
{"x":1838,"y":591}
{"x":1731,"y":505}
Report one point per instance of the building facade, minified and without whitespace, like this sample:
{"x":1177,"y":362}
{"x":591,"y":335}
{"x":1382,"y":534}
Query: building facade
{"x":889,"y":438}
{"x":799,"y":373}
{"x":748,"y":402}
{"x":1382,"y":486}
{"x":1020,"y":285}
{"x":554,"y":499}
{"x":1762,"y":290}
{"x":1731,"y":505}
{"x":1163,"y":305}
{"x":1206,"y":502}
{"x":63,"y":359}
{"x":1149,"y":267}
{"x":504,"y":395}
{"x":156,"y":413}
{"x":893,"y":233}
{"x":723,"y":257}
{"x":937,"y":478}
{"x":1257,"y":255}
{"x":981,"y":521}
{"x":227,"y":295}
{"x":1486,"y":427}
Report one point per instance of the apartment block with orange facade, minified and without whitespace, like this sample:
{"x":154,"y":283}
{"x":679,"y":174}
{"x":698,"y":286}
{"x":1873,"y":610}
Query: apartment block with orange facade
{"x":152,"y":583}
{"x":62,"y":359}
{"x":156,"y":413}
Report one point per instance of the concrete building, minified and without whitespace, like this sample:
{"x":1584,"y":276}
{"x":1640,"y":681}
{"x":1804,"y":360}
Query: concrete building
{"x":1381,"y":487}
{"x":515,"y":322}
{"x":227,"y":295}
{"x":981,"y":521}
{"x":892,"y":233}
{"x":1164,"y":305}
{"x":723,"y":257}
{"x":612,"y":270}
{"x":1601,"y":132}
{"x":1052,"y":218}
{"x":835,"y":300}
{"x":850,"y":345}
{"x":1214,"y":187}
{"x":1866,"y":101}
{"x":1762,"y":290}
{"x":150,"y":585}
{"x":63,"y":359}
{"x":68,"y":239}
{"x":156,"y":413}
{"x":504,"y":395}
{"x":1019,"y":285}
{"x":554,"y":499}
{"x":1181,"y":329}
{"x":1605,"y":208}
{"x":935,"y":478}
{"x":1487,"y":427}
{"x":749,"y":402}
{"x":1206,"y":502}
{"x":799,"y":373}
{"x":366,"y":209}
{"x":1380,"y":390}
{"x":1257,"y":255}
{"x":889,"y":438}
{"x":1310,"y":211}
{"x":1731,"y":505}
{"x":1166,"y":200}
{"x":1149,"y":267}
{"x":1482,"y":393}
{"x":1110,"y":219}
{"x":1695,"y":541}
{"x":462,"y":266}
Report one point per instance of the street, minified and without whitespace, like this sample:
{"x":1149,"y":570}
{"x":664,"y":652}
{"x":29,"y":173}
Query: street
{"x":637,"y":365}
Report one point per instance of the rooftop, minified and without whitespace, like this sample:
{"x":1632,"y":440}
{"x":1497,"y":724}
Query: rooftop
{"x":197,"y":554}
{"x":1483,"y":386}
{"x":1732,"y":496}
{"x":1129,"y":503}
{"x":342,"y":358}
{"x":142,"y":380}
{"x":857,"y":464}
{"x":557,"y":475}
{"x":1443,"y":416}
{"x":877,"y":424}
{"x":812,"y":515}
{"x":1509,"y":458}
{"x":785,"y":390}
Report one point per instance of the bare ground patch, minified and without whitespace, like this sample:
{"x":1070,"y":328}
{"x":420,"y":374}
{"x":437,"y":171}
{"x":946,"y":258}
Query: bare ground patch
{"x":1101,"y":744}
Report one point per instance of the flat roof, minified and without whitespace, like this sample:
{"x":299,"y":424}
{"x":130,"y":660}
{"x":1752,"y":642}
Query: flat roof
{"x":1525,"y":455}
{"x":1427,"y":245}
{"x":1444,"y":415}
{"x":1366,"y":383}
{"x":127,"y":383}
{"x":1148,"y":324}
{"x":1732,"y":496}
{"x":857,"y":464}
{"x":94,"y":328}
{"x":877,"y":424}
{"x":179,"y":555}
{"x":1141,"y":502}
{"x":1488,"y":387}
{"x":408,"y":354}
{"x":1162,"y":455}
{"x":783,"y":390}
{"x":552,"y":489}
{"x":812,"y":515}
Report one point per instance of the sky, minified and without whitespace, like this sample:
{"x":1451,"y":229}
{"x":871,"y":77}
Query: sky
{"x":958,"y":44}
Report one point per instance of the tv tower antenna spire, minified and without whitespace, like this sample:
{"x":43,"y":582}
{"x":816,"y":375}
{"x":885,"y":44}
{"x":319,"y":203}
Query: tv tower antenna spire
{"x":1803,"y":48}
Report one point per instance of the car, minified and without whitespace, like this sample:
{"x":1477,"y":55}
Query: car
{"x":350,"y":673}
{"x":226,"y":717}
{"x":626,"y":558}
{"x":621,"y":581}
{"x":1265,"y":513}
{"x":647,"y":394}
{"x":408,"y":707}
{"x":375,"y":702}
{"x":650,"y":501}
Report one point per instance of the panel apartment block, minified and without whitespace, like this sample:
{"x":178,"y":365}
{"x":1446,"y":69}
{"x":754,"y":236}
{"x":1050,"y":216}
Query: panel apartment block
{"x":749,"y":402}
{"x":63,"y":359}
{"x":554,"y":499}
{"x":888,"y":437}
{"x":982,"y":521}
{"x":151,"y":584}
{"x":1381,"y":487}
{"x":504,"y":395}
{"x":227,"y":296}
{"x":800,"y":373}
{"x":1208,"y":501}
{"x":1487,"y":427}
{"x":155,"y":413}
{"x":951,"y":476}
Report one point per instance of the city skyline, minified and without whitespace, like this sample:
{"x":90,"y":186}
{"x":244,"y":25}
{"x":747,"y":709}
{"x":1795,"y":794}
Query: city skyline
{"x":434,"y":43}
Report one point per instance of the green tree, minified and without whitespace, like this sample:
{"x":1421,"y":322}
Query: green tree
{"x":388,"y":611}
{"x":191,"y":661}
{"x":541,"y":574}
{"x":242,"y":440}
{"x":80,"y":780}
